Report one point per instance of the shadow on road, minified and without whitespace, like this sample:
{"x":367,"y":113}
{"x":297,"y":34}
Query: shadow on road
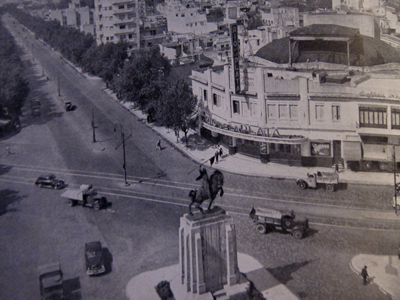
{"x":8,"y":197}
{"x":72,"y":288}
{"x":284,"y":274}
{"x":108,"y":259}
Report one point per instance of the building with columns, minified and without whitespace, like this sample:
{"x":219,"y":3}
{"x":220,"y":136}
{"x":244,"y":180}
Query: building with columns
{"x":325,"y":95}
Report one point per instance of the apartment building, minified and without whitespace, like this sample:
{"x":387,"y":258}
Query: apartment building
{"x":75,"y":16}
{"x":117,"y":20}
{"x":319,"y":97}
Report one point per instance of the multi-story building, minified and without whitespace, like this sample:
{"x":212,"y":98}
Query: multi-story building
{"x":75,"y":16}
{"x":153,"y":31}
{"x":117,"y":20}
{"x":324,"y":95}
{"x":281,"y":17}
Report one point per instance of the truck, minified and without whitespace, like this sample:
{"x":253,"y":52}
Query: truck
{"x":51,"y":281}
{"x":267,"y":219}
{"x":329,"y":180}
{"x":86,"y":195}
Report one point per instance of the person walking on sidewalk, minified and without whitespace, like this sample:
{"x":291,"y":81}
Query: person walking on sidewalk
{"x":158,"y":147}
{"x":364,"y":275}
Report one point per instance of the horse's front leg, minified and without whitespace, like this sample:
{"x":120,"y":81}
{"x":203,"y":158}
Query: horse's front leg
{"x":209,"y":205}
{"x":190,"y":209}
{"x":199,"y":207}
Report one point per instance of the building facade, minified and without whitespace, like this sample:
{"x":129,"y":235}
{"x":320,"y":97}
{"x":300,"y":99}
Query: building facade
{"x":117,"y":20}
{"x":341,"y":108}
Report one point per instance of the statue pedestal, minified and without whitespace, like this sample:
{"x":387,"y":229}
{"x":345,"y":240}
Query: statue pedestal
{"x":207,"y":252}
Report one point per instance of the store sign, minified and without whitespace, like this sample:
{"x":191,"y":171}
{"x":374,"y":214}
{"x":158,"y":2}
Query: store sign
{"x":320,"y":149}
{"x":235,"y":54}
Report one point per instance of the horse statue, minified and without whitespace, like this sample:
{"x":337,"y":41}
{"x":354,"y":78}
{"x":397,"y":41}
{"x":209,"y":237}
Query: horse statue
{"x":209,"y":189}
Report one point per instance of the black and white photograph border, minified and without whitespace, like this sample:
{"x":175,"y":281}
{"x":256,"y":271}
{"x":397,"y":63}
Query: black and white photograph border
{"x":222,"y":150}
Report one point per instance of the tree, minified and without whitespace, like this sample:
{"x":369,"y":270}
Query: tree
{"x":254,"y":22}
{"x":142,"y":79}
{"x":176,"y":106}
{"x":14,"y":88}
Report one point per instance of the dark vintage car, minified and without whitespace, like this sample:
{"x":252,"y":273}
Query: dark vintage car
{"x":267,"y":219}
{"x":49,"y":181}
{"x":69,"y":106}
{"x":94,"y":258}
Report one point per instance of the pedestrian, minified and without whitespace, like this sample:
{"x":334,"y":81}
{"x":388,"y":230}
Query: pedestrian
{"x":364,"y":275}
{"x":220,"y":152}
{"x":216,"y":156}
{"x":158,"y":147}
{"x":337,"y":168}
{"x":8,"y":151}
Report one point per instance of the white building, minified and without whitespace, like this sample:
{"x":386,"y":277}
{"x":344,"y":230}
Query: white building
{"x":75,"y":16}
{"x":325,"y":95}
{"x":189,"y":20}
{"x":117,"y":20}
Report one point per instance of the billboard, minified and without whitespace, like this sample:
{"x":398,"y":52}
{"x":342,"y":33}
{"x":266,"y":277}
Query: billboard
{"x":235,"y":56}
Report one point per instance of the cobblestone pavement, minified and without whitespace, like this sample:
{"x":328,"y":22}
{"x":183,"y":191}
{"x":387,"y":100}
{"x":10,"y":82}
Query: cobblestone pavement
{"x":318,"y":266}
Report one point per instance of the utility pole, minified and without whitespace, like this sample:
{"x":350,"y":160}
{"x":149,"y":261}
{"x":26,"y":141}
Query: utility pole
{"x":93,"y":127}
{"x":58,"y":84}
{"x":123,"y":150}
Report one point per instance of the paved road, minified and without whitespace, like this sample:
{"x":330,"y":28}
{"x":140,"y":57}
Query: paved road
{"x":140,"y":230}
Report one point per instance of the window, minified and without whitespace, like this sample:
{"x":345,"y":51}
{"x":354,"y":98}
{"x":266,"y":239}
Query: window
{"x":236,"y":107}
{"x":294,"y":112}
{"x":121,"y":6}
{"x":205,"y":95}
{"x":335,"y":112}
{"x":319,"y":112}
{"x":271,"y":111}
{"x":217,"y":100}
{"x":122,"y":26}
{"x":373,"y":116}
{"x":283,"y":111}
{"x":395,"y":118}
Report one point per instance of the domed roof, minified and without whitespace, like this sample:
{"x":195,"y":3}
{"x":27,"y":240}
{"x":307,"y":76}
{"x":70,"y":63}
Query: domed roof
{"x":364,"y":50}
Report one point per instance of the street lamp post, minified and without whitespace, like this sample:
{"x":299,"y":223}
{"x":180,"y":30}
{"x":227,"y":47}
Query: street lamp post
{"x":123,"y":149}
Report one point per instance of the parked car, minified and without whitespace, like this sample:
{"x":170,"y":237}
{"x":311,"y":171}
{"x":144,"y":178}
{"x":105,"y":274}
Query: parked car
{"x":69,"y":106}
{"x":267,"y":219}
{"x":49,"y":181}
{"x":94,"y":258}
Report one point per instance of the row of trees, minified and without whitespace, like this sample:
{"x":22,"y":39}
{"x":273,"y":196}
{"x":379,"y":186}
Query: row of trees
{"x":141,"y":77}
{"x":14,"y":88}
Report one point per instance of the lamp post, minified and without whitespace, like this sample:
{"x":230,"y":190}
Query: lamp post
{"x":123,"y":148}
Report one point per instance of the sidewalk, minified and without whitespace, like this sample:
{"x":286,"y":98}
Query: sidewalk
{"x":143,"y":285}
{"x":383,"y":270}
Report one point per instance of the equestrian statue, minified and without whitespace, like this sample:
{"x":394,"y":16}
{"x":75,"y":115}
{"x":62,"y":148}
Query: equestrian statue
{"x":210,"y":186}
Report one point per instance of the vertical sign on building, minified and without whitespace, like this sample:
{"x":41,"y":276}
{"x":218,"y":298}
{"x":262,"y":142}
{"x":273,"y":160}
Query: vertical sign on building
{"x":235,"y":54}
